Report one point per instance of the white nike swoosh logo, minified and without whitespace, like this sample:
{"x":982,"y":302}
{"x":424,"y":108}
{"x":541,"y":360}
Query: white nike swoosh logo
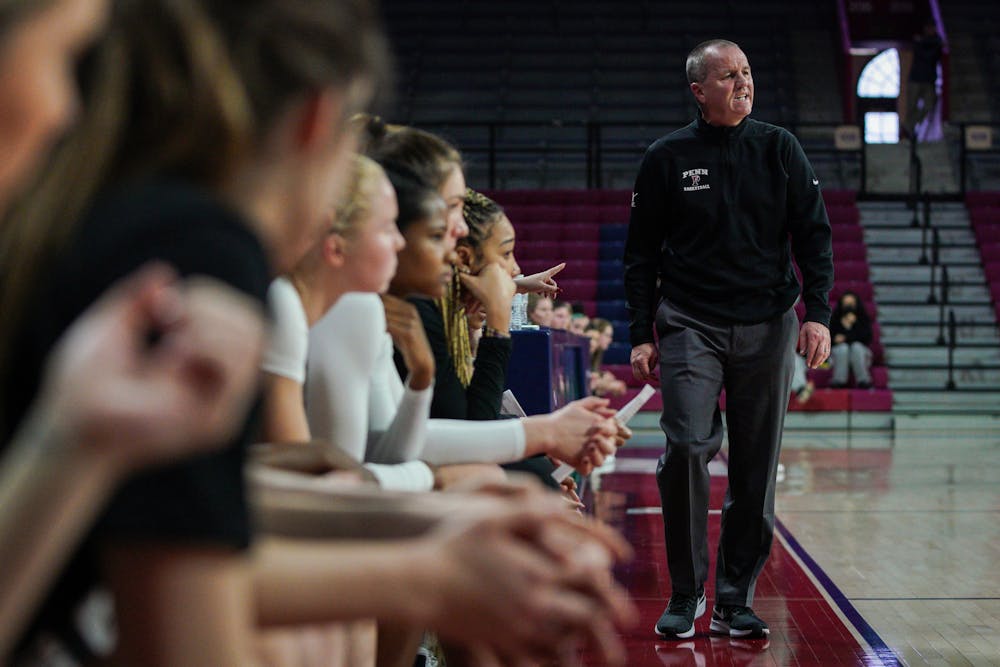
{"x":815,"y":181}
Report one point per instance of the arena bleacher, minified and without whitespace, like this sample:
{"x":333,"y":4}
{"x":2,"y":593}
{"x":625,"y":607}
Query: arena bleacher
{"x":587,"y":229}
{"x":984,"y":211}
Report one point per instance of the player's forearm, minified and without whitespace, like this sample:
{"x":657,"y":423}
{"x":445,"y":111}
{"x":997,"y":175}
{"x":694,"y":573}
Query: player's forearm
{"x":301,"y":582}
{"x":50,"y":492}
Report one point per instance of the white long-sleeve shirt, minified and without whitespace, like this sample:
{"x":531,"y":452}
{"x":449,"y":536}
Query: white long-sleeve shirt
{"x":356,"y":400}
{"x":398,"y":426}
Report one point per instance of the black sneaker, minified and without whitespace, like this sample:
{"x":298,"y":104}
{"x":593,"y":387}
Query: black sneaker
{"x":738,"y":622}
{"x":677,"y":622}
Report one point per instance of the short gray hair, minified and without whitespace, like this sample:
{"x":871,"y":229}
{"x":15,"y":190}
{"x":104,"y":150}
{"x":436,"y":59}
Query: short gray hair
{"x":696,"y":67}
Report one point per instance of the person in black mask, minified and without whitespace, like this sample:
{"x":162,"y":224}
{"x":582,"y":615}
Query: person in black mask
{"x":852,"y":335}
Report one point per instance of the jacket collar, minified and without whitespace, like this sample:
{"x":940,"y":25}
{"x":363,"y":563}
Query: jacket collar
{"x":719,"y":133}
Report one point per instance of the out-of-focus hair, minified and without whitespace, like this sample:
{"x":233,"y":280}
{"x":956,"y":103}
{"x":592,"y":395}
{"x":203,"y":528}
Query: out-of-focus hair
{"x":433,"y":160}
{"x":859,"y":308}
{"x":415,"y":199}
{"x":356,"y":203}
{"x":427,"y":155}
{"x":186,"y":89}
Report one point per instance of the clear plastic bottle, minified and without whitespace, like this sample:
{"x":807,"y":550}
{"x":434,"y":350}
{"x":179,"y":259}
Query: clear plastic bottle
{"x":518,"y":311}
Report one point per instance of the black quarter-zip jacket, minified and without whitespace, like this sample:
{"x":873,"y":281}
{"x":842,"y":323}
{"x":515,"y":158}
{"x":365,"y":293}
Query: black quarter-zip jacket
{"x":717,"y":213}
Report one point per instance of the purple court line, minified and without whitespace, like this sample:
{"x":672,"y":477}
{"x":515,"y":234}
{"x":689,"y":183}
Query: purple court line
{"x":886,"y":656}
{"x":883,"y":652}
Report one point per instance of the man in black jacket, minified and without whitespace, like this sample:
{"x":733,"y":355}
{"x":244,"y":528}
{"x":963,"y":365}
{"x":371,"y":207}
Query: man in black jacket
{"x":718,"y":211}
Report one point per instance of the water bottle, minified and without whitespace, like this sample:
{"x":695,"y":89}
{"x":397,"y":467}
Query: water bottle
{"x":518,"y":311}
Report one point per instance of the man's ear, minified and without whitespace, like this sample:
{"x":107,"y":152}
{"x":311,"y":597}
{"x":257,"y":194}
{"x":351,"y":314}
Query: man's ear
{"x":334,"y":250}
{"x":698,"y":93}
{"x":317,"y":119}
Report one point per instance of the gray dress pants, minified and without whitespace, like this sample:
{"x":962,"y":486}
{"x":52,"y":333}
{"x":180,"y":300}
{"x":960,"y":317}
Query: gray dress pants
{"x":754,"y":363}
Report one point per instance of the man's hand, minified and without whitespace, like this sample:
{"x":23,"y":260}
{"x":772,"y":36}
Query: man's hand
{"x":644,"y":359}
{"x":814,"y":343}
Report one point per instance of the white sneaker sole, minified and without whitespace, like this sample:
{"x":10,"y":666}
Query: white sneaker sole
{"x":699,"y":612}
{"x":722,"y":628}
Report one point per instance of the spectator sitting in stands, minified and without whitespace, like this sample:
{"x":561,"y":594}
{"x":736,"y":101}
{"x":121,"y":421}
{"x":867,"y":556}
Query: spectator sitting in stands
{"x":580,"y":322}
{"x":602,"y":382}
{"x":852,"y":334}
{"x":562,"y":314}
{"x":540,"y":310}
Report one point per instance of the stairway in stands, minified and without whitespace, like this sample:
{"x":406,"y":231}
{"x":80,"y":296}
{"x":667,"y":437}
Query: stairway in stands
{"x":587,"y":229}
{"x":888,"y":168}
{"x":911,"y":324}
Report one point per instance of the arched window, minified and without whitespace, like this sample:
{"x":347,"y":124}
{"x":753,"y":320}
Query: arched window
{"x":880,"y":79}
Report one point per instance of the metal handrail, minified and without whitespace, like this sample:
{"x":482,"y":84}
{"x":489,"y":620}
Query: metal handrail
{"x":591,"y":147}
{"x":935,"y":259}
{"x":923,"y":230}
{"x":916,"y":180}
{"x":952,"y":343}
{"x":945,"y":285}
{"x":595,"y":149}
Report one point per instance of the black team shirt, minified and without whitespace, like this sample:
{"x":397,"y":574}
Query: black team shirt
{"x":717,"y":215}
{"x":200,"y":500}
{"x":481,"y":399}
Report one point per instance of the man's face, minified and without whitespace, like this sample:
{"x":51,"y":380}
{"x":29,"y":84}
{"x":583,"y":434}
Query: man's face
{"x":726,"y":94}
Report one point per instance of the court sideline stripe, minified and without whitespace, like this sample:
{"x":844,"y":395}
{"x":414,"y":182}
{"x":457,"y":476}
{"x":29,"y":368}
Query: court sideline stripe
{"x":883,"y":651}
